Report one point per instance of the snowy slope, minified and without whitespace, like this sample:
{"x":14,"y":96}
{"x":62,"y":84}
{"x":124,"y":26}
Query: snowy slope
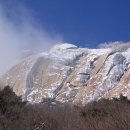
{"x":70,"y":74}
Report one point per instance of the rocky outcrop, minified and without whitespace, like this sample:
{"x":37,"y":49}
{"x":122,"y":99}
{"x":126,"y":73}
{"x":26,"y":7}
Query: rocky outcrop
{"x":70,"y":74}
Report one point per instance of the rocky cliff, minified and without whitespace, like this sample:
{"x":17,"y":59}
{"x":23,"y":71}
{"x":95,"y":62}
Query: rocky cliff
{"x":70,"y":74}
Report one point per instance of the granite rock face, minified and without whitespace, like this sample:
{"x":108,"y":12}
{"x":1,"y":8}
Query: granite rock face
{"x":70,"y":74}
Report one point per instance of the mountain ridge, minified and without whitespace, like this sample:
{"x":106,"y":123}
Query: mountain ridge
{"x":70,"y":74}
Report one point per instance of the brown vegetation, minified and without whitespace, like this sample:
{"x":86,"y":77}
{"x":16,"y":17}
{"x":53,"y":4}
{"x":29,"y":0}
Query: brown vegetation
{"x":102,"y":115}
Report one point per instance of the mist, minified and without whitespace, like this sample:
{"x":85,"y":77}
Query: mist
{"x":20,"y":31}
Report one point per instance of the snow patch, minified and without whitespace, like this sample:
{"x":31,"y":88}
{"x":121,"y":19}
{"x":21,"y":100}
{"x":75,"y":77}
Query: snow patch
{"x":63,"y":46}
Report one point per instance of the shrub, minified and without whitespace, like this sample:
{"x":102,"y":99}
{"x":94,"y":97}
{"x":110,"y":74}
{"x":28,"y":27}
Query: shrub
{"x":102,"y":115}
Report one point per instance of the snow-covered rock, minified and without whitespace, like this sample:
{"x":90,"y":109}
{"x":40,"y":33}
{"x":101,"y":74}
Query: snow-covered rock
{"x":60,"y":47}
{"x":70,"y":74}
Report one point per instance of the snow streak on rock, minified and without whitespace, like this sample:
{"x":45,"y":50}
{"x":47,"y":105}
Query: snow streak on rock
{"x":70,"y":74}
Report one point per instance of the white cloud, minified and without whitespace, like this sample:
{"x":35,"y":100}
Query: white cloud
{"x":20,"y":31}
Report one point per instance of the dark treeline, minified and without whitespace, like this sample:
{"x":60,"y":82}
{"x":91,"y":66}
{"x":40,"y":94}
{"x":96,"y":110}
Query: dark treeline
{"x":102,"y":115}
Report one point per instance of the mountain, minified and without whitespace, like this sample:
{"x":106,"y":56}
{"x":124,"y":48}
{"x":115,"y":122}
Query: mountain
{"x":67,"y":73}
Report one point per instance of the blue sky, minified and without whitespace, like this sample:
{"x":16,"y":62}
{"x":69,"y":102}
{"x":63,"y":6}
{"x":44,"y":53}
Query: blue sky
{"x":84,"y":22}
{"x":37,"y":25}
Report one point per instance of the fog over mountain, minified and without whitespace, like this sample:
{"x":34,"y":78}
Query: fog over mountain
{"x":20,"y":31}
{"x":40,"y":66}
